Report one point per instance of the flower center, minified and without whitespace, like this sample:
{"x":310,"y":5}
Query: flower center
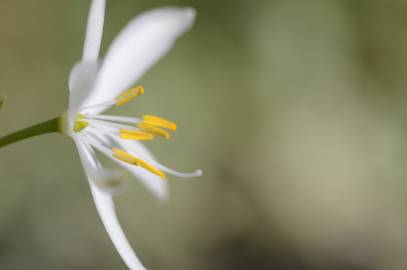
{"x":126,"y":128}
{"x":80,"y":123}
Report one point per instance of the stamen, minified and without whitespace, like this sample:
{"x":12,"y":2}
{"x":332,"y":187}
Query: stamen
{"x":167,"y":170}
{"x":80,"y":124}
{"x":159,"y":122}
{"x":126,"y":157}
{"x":135,"y":135}
{"x":115,"y":118}
{"x":128,"y":95}
{"x":154,"y":130}
{"x":110,"y":125}
{"x":102,"y":106}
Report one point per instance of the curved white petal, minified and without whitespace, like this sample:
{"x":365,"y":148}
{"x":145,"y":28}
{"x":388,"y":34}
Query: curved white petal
{"x":142,"y":43}
{"x":81,"y":80}
{"x":111,"y":181}
{"x":88,"y":158}
{"x":94,"y":31}
{"x":105,"y":206}
{"x":153,"y":182}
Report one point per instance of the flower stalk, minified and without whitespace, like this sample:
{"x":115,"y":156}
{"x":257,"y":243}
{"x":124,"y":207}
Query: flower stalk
{"x":50,"y":126}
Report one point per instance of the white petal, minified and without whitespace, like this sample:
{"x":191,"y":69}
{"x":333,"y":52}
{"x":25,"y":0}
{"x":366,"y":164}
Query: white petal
{"x":111,"y":181}
{"x":105,"y":206}
{"x":153,"y":182}
{"x":87,"y":156}
{"x":81,"y":80}
{"x":94,"y":31}
{"x":140,"y":45}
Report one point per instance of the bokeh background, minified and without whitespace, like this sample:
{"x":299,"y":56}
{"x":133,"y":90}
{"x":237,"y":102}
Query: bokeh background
{"x":295,"y":110}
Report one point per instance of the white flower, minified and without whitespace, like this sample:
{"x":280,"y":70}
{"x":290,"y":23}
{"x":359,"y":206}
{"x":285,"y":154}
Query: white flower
{"x":97,"y":85}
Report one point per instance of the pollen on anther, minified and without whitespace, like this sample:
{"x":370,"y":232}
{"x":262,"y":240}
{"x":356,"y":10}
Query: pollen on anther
{"x":154,"y":130}
{"x":159,"y":122}
{"x":135,"y":135}
{"x":130,"y":159}
{"x":129,"y":95}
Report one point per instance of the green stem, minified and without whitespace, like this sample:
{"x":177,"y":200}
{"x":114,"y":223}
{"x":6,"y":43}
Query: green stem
{"x":49,"y":126}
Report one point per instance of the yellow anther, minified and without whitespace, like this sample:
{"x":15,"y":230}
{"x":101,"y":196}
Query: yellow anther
{"x":159,"y":122}
{"x":126,"y":157}
{"x":80,"y":124}
{"x":135,"y":135}
{"x":154,"y":130}
{"x":128,"y":95}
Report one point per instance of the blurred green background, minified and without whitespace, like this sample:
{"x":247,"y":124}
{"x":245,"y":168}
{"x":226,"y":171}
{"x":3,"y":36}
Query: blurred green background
{"x":295,"y":110}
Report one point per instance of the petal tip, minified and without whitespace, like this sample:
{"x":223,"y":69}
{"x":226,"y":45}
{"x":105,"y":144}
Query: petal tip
{"x":162,"y":195}
{"x":198,"y":173}
{"x":190,"y":14}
